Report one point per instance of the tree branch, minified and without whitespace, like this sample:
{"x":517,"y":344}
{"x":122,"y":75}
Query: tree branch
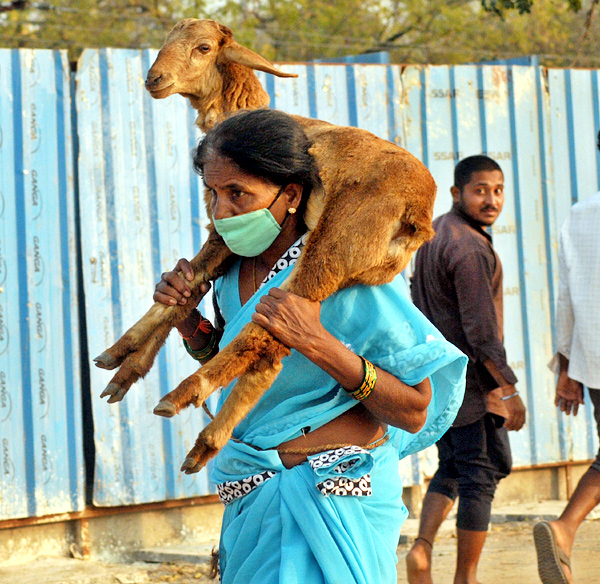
{"x":589,"y":20}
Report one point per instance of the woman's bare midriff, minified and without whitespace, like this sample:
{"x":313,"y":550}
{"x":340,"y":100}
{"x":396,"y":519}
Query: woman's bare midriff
{"x":356,"y":426}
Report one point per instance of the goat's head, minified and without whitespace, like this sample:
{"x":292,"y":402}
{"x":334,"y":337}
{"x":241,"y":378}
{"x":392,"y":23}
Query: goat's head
{"x":189,"y":61}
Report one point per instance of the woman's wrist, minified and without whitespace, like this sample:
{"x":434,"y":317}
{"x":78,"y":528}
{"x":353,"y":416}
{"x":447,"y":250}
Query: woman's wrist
{"x":203,"y":351}
{"x":316,"y":346}
{"x":365,"y":389}
{"x":187,"y":327}
{"x":196,"y":330}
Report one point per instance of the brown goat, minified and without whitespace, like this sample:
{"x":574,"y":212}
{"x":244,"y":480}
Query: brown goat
{"x":374,"y":212}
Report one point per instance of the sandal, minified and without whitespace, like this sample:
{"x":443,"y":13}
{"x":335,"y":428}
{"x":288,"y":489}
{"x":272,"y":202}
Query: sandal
{"x":550,"y":557}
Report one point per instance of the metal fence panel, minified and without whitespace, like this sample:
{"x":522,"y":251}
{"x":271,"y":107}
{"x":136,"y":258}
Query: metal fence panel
{"x":442,"y":114}
{"x":140,"y":213}
{"x":533,"y":283}
{"x":40,"y":385}
{"x":141,"y":210}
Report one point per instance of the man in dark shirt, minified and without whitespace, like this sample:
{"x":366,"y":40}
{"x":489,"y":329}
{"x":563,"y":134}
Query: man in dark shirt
{"x":457,"y":284}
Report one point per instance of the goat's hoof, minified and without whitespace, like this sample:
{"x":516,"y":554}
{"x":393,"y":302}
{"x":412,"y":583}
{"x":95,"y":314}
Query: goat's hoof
{"x":165,"y":408}
{"x":190,"y":466}
{"x":106,"y":361}
{"x":198,"y":456}
{"x":115,"y":392}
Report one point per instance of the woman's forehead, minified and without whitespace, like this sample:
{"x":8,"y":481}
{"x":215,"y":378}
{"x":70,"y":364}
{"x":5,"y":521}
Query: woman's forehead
{"x":217,"y":167}
{"x":221,"y":171}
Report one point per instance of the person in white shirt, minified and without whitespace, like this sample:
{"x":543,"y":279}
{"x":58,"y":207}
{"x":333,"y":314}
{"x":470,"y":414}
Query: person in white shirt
{"x":577,"y":363}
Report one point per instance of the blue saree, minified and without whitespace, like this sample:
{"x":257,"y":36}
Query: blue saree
{"x":284,"y":529}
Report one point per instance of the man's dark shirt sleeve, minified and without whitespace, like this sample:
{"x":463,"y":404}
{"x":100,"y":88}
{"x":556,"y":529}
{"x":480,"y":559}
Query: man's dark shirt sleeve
{"x":472,"y":274}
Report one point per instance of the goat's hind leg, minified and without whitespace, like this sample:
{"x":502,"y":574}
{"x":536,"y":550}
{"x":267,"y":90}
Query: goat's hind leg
{"x":241,"y":355}
{"x":246,"y":393}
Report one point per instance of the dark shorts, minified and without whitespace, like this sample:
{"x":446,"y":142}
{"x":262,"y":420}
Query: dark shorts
{"x":595,"y":399}
{"x":473,"y":460}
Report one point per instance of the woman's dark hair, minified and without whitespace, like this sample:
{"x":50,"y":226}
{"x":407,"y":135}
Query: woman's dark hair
{"x":467,"y":166}
{"x":265,"y":143}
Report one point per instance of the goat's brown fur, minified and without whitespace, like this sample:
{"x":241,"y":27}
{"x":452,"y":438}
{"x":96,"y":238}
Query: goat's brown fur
{"x":374,"y":212}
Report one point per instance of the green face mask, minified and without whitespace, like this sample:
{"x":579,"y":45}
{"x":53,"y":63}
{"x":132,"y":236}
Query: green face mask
{"x":249,"y":234}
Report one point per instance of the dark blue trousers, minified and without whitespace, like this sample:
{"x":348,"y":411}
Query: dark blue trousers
{"x":473,"y":460}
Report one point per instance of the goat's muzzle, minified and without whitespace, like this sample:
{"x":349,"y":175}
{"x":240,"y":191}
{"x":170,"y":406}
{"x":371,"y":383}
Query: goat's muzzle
{"x":152,"y":80}
{"x":158,"y":86}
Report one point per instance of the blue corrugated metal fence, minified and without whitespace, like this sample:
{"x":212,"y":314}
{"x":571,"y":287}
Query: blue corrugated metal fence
{"x":140,"y":210}
{"x":40,"y":386}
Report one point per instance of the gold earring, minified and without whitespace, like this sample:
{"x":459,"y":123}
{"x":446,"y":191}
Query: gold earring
{"x":291,"y":210}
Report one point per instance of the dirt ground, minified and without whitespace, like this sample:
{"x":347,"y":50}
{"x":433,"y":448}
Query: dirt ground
{"x":508,"y":558}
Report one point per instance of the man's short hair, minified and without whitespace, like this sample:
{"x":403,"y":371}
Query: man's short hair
{"x":467,"y":166}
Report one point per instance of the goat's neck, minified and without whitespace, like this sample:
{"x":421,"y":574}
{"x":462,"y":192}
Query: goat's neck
{"x":240,"y":89}
{"x":210,"y":112}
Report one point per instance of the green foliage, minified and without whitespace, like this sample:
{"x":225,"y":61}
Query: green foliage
{"x":499,"y":7}
{"x":302,"y":30}
{"x":415,"y":31}
{"x":561,"y":32}
{"x":76,"y":24}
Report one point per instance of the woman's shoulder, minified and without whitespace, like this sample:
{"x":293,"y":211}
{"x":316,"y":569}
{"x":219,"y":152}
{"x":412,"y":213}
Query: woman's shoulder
{"x":362,"y":308}
{"x":364,"y":296}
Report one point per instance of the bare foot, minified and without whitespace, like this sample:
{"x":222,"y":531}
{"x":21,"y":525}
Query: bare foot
{"x":564,"y":540}
{"x":418,"y":563}
{"x":565,"y":536}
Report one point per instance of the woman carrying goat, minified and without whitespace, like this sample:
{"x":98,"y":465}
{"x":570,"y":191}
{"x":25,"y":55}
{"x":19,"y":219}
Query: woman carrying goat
{"x":310,"y":479}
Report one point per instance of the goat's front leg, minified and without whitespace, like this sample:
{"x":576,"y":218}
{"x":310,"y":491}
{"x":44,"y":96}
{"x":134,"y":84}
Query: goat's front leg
{"x":136,"y":365}
{"x":136,"y":350}
{"x":246,"y":393}
{"x":255,"y":357}
{"x":135,"y":338}
{"x":251,"y":345}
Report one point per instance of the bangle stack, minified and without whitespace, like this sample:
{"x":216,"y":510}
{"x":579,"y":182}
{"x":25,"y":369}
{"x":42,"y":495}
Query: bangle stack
{"x":206,"y":352}
{"x":206,"y":327}
{"x":368,"y":384}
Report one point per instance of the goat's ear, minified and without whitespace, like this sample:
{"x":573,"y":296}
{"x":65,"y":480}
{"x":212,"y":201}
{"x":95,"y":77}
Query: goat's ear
{"x":224,"y":30}
{"x":235,"y":53}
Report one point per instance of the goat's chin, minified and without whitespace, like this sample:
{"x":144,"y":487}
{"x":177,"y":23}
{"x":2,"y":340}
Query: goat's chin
{"x":162,"y":93}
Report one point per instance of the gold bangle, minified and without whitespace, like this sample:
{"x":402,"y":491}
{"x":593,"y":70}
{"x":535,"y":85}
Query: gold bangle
{"x":365,"y":389}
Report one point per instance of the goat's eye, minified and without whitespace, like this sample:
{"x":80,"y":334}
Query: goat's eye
{"x":203,"y":49}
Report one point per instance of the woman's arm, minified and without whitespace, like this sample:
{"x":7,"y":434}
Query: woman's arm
{"x":296,"y":322}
